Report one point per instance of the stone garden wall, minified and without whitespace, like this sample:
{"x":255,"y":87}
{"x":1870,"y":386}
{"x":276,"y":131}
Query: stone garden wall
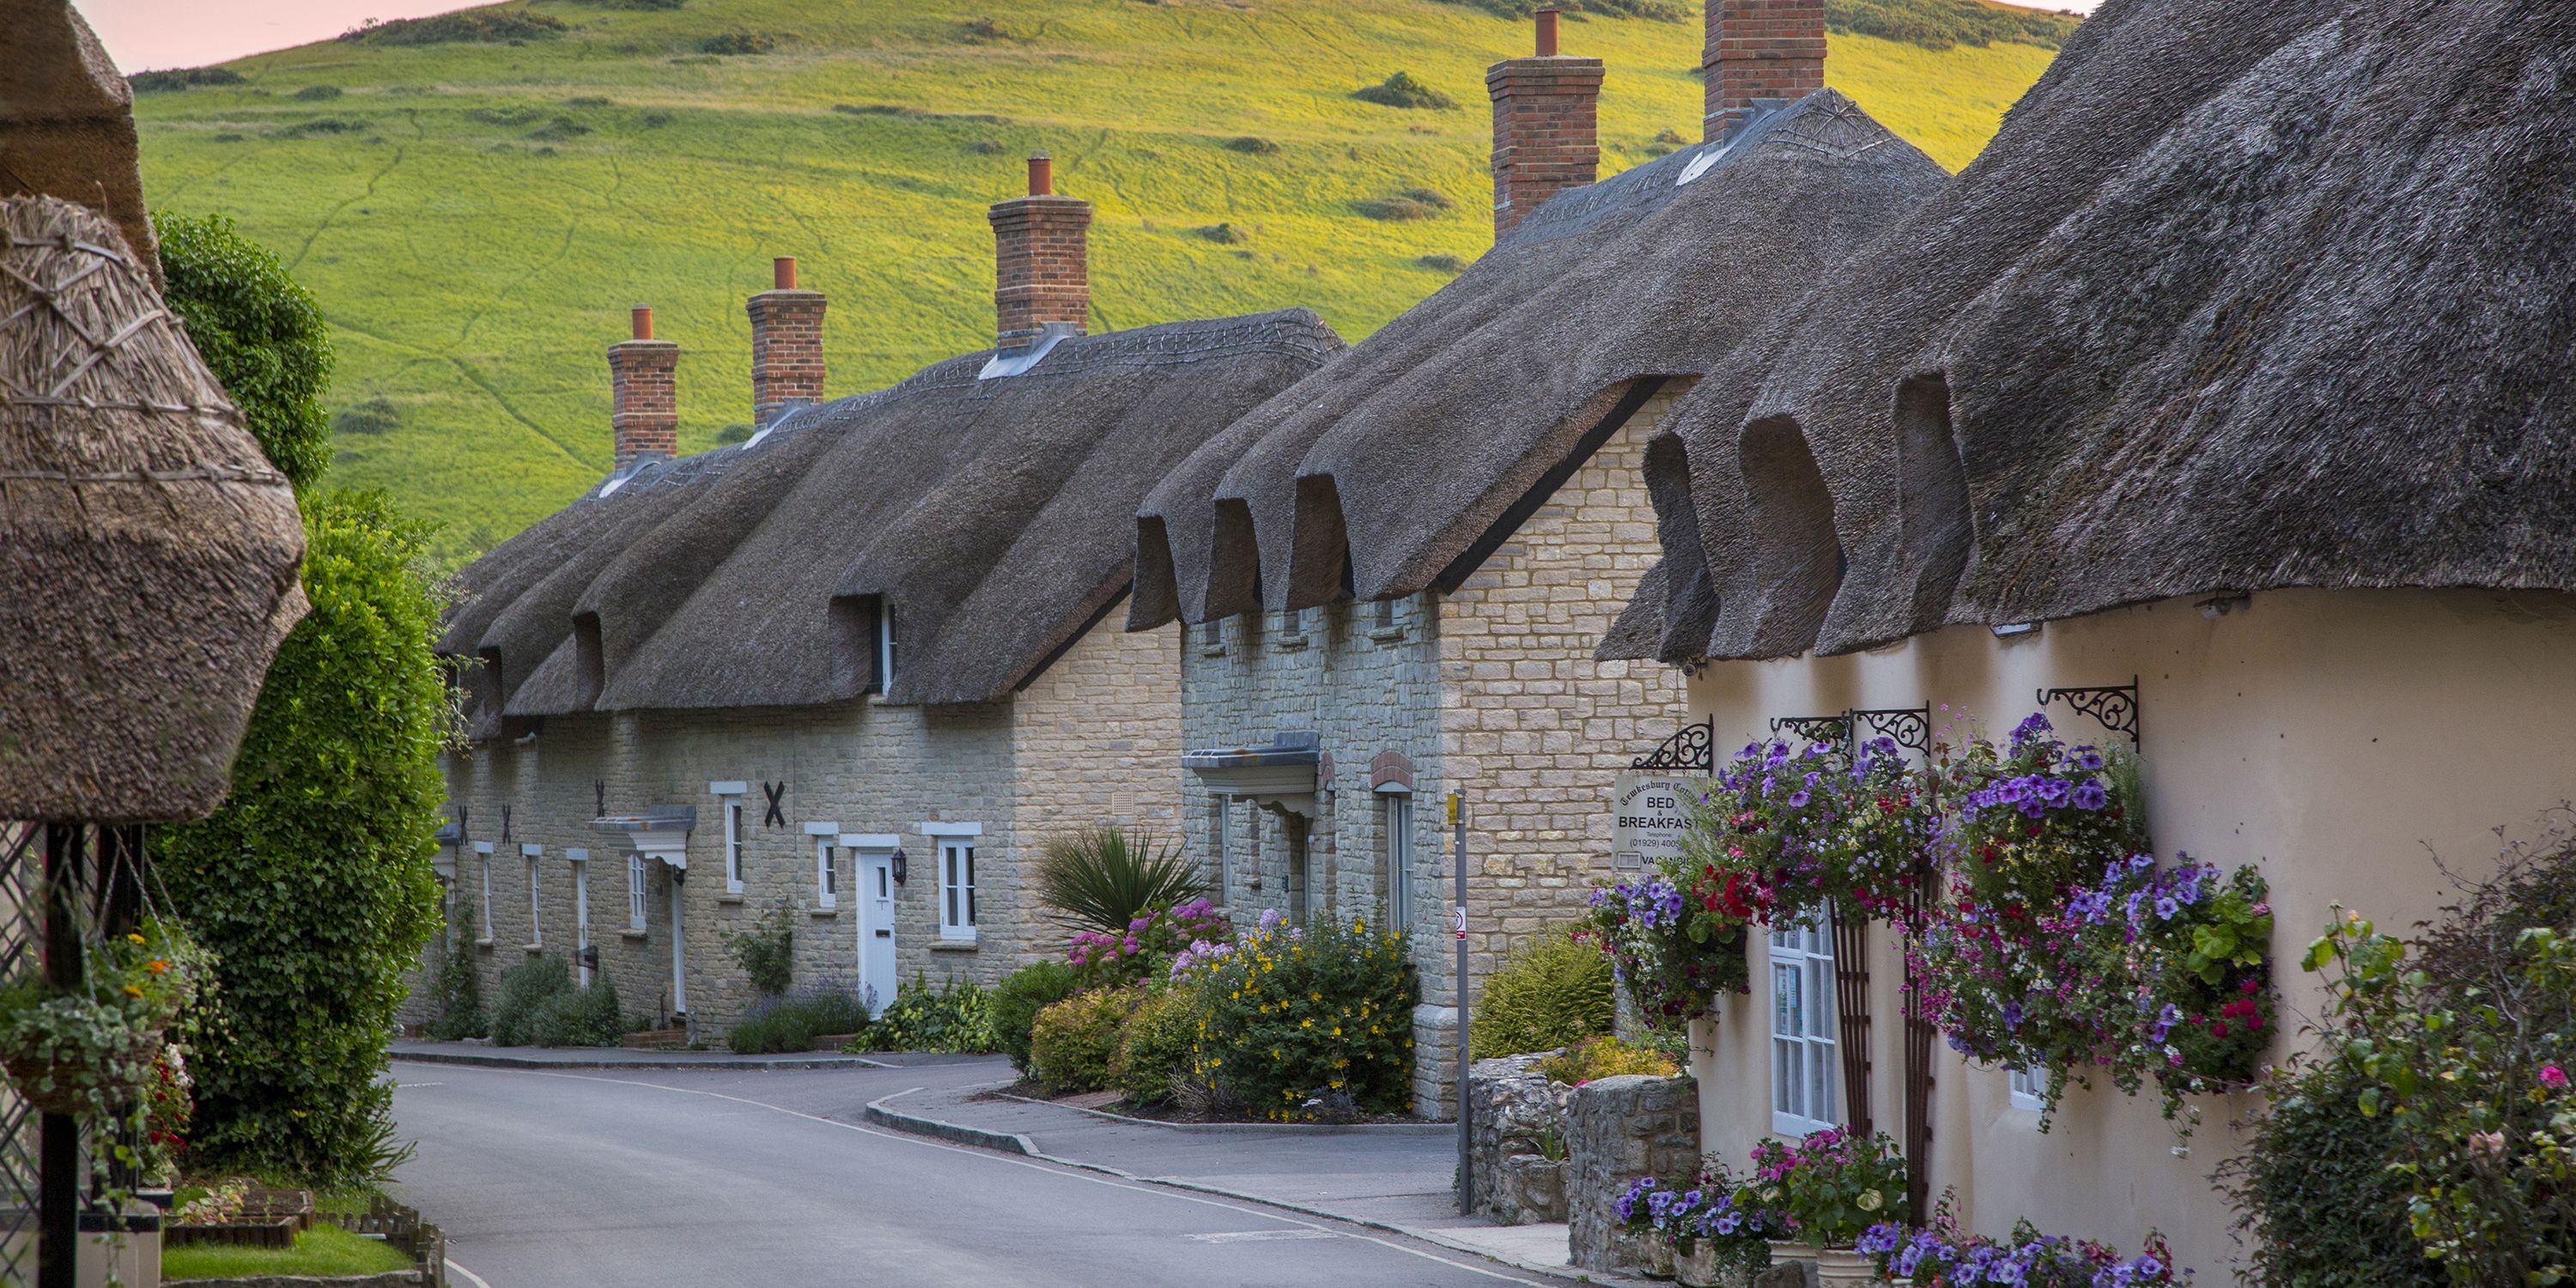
{"x":1618,"y":1129}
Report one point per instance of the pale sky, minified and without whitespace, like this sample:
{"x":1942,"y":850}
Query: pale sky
{"x":151,"y":34}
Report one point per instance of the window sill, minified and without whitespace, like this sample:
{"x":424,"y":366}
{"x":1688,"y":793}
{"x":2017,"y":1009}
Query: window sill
{"x":1290,"y":644}
{"x":954,"y":946}
{"x":730,"y":896}
{"x":634,"y":934}
{"x":822,"y":912}
{"x":1211,"y":652}
{"x":485,"y":943}
{"x":532,"y":948}
{"x":1387,"y":634}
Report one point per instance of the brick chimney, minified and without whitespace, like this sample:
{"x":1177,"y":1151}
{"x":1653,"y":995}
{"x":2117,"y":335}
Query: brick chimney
{"x":644,"y":404}
{"x":1042,"y":270}
{"x":786,"y":345}
{"x":1545,"y":136}
{"x":1760,"y":50}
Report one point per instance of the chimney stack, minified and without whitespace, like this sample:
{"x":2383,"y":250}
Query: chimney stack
{"x":1546,"y":136}
{"x":1760,"y":51}
{"x":644,"y":404}
{"x":1041,"y":261}
{"x":786,"y":345}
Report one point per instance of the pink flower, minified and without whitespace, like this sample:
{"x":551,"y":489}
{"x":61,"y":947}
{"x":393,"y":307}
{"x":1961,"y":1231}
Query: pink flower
{"x":2553,"y":1077}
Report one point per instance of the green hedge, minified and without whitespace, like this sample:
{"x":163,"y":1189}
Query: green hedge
{"x":789,"y":1024}
{"x":1014,"y":1004}
{"x":1158,"y":1045}
{"x":261,"y":334}
{"x":1555,"y":993}
{"x":1075,"y":1041}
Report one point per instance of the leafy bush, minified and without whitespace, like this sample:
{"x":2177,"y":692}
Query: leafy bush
{"x":1252,"y":145}
{"x":1075,"y":1042}
{"x":313,"y":880}
{"x":261,"y":333}
{"x":1402,"y":90}
{"x":321,"y":125}
{"x":559,"y":129}
{"x":1409,"y":204}
{"x":527,"y":989}
{"x":1311,"y":1019}
{"x":491,"y":26}
{"x":1013,"y":1005}
{"x":1441,"y":263}
{"x":1224,"y":234}
{"x":2314,"y":1194}
{"x":1554,"y":993}
{"x":1606,"y":1058}
{"x":921,"y":1018}
{"x":1160,"y":1043}
{"x":179,"y":78}
{"x":1100,"y":878}
{"x":766,"y":953}
{"x":581,"y":1017}
{"x":791,"y":1024}
{"x":739,"y":42}
{"x":319,"y":93}
{"x":376,"y":415}
{"x":457,"y":989}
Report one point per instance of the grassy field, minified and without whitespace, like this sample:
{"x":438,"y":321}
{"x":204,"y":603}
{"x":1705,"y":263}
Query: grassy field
{"x":476,"y":218}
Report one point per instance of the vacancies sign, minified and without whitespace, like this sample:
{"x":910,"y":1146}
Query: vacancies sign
{"x":1649,"y":816}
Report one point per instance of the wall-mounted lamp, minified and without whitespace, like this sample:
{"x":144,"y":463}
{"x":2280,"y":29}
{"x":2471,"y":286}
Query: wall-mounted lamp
{"x":2218,"y":606}
{"x":900,"y":867}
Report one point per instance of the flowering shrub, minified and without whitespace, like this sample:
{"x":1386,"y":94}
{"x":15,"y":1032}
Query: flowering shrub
{"x":1606,"y":1057}
{"x":1939,"y":1256}
{"x":1827,"y":1189}
{"x":1673,"y":962}
{"x":1308,"y":1021}
{"x":2036,"y":815}
{"x":1153,"y":938}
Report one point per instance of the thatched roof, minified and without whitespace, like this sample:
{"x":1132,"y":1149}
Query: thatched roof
{"x":2241,"y":297}
{"x":147,"y":550}
{"x":67,"y":120}
{"x":1395,"y":468}
{"x":991,"y":513}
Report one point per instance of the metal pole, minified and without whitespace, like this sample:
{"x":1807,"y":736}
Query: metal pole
{"x":1458,"y":871}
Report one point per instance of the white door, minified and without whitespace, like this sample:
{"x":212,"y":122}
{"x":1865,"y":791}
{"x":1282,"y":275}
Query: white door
{"x":876,"y":929}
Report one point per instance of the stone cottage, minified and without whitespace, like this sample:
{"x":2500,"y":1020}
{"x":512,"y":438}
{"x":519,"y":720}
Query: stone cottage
{"x":1391,"y":577}
{"x":858,"y":667}
{"x":2231,"y":388}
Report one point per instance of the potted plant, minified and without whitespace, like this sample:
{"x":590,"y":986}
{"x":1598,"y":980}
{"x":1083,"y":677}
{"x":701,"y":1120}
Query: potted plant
{"x":1636,"y":1209}
{"x":92,"y":1051}
{"x":1821,"y":1194}
{"x":1716,"y":1242}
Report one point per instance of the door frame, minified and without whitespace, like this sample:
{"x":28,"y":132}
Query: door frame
{"x":872,"y":862}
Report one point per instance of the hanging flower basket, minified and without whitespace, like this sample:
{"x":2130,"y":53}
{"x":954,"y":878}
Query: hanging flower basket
{"x":91,"y":1052}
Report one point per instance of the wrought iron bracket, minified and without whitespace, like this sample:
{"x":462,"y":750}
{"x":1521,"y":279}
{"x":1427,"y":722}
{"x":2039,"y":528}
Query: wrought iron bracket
{"x":1908,"y":727}
{"x":1692,"y":747}
{"x":2113,"y":706}
{"x":1833,"y":731}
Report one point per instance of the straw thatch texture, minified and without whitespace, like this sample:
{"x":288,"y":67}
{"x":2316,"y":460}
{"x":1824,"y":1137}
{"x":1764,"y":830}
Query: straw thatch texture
{"x":991,"y":514}
{"x":67,"y":120}
{"x":1391,"y":470}
{"x":2241,"y":297}
{"x":147,"y":550}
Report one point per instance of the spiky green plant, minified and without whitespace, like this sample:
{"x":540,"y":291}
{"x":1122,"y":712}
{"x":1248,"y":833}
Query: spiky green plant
{"x":1100,"y":877}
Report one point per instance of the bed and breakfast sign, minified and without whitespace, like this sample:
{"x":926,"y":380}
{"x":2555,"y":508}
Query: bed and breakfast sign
{"x":1650,"y":814}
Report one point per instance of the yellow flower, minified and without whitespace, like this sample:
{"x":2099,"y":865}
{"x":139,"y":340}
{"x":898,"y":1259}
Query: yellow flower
{"x":133,"y":939}
{"x":132,"y":991}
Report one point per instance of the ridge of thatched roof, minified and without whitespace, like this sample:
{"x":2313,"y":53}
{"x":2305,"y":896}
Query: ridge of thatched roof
{"x":2239,"y":298}
{"x":67,"y":121}
{"x":148,"y":550}
{"x":990,"y":513}
{"x":1392,"y":469}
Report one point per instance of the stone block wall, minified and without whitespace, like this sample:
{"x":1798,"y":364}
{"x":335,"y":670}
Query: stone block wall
{"x":1515,"y":1119}
{"x":1618,"y":1129}
{"x":864,"y":767}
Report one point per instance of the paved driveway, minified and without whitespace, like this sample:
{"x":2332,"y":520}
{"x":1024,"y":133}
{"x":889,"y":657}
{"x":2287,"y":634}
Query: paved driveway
{"x":638,"y":1179}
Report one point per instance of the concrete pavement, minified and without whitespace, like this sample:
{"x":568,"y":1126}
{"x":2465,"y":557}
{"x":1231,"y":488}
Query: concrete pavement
{"x":642,"y":1178}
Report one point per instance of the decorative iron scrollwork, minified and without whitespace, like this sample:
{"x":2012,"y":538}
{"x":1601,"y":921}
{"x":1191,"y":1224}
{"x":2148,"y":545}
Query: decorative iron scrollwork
{"x":1834,"y":731}
{"x":1692,"y":747}
{"x":2113,"y":706}
{"x":1907,"y":727}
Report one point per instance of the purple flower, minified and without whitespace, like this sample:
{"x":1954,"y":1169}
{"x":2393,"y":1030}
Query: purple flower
{"x":2090,"y":796}
{"x":1798,"y":799}
{"x":2166,"y":908}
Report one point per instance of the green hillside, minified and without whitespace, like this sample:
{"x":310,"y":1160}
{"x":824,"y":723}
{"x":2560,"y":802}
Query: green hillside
{"x":477,"y":217}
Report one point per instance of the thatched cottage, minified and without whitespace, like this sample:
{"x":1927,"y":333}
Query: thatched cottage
{"x":1392,"y":575}
{"x":2238,"y":369}
{"x":855,"y":667}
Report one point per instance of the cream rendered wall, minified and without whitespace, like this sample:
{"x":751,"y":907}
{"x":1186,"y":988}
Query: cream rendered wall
{"x":2337,"y":739}
{"x":1098,"y":731}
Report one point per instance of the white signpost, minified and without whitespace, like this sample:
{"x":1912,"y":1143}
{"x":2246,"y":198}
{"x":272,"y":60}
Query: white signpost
{"x":1650,"y":815}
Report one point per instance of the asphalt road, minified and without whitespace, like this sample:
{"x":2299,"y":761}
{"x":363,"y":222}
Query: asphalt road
{"x":697,"y":1178}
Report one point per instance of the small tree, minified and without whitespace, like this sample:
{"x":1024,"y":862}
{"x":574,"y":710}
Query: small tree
{"x":766,"y":953}
{"x":261,"y":334}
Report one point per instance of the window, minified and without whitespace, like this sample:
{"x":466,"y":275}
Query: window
{"x":634,"y":892}
{"x":2030,"y":1089}
{"x":733,"y":846}
{"x":1398,"y":807}
{"x":957,"y":888}
{"x":885,"y":646}
{"x":827,"y":886}
{"x":1219,"y":843}
{"x":1385,"y":619}
{"x":1804,"y":1072}
{"x":1212,"y":634}
{"x":536,"y":928}
{"x":486,"y":858}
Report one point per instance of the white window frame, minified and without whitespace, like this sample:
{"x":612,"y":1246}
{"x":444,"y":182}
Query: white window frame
{"x":2028,"y":1088}
{"x":536,"y":900}
{"x":1806,"y":1069}
{"x":827,"y":886}
{"x":580,"y":860}
{"x":1395,"y":809}
{"x":1220,"y":827}
{"x":483,"y":855}
{"x":635,"y":884}
{"x":885,"y":645}
{"x":956,"y":844}
{"x":733,"y":864}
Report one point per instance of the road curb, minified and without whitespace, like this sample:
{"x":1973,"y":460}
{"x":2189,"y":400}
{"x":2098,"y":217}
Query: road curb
{"x":1016,"y":1143}
{"x":480,"y":1060}
{"x":1302,"y":1129}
